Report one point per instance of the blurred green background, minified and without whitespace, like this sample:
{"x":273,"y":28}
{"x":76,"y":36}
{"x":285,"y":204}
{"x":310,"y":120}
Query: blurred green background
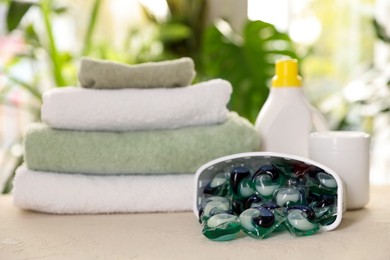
{"x":335,"y":41}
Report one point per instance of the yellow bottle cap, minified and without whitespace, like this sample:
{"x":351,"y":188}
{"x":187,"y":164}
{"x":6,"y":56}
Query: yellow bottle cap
{"x":286,"y":74}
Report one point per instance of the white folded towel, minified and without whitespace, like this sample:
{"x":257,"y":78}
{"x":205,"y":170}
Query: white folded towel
{"x":136,"y":109}
{"x":85,"y":194}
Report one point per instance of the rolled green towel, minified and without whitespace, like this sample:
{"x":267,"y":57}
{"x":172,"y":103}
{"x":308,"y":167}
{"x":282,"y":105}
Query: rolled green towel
{"x":104,"y":74}
{"x":136,"y":152}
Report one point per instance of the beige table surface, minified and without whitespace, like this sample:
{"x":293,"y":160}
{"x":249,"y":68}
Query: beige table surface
{"x":363,"y":234}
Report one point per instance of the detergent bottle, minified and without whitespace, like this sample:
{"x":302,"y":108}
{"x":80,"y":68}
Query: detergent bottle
{"x":286,"y":119}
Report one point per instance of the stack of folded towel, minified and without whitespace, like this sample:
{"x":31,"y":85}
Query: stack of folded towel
{"x":129,"y":140}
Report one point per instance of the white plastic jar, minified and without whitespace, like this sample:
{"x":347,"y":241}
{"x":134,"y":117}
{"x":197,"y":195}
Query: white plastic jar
{"x":348,"y":154}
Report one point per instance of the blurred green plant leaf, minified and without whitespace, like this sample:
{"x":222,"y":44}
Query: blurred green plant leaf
{"x":91,"y":27}
{"x":66,"y":57}
{"x":148,"y":14}
{"x":32,"y":36}
{"x":172,"y":32}
{"x":15,"y":13}
{"x":60,"y":9}
{"x":380,"y":31}
{"x":56,"y":62}
{"x":28,"y":87}
{"x":246,"y":60}
{"x":4,"y":92}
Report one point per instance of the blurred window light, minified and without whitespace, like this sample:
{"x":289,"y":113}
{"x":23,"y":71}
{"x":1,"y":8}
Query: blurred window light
{"x":303,"y":26}
{"x":275,"y":12}
{"x":305,"y":30}
{"x":158,"y":8}
{"x":122,"y":10}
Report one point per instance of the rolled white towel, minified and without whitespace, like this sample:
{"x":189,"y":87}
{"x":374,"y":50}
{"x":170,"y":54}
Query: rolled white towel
{"x":60,"y":193}
{"x":136,"y":109}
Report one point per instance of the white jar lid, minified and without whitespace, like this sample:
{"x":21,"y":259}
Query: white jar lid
{"x":339,"y":141}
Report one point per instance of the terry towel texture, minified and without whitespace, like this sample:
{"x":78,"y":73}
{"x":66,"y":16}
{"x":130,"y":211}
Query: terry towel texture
{"x":136,"y":152}
{"x":113,"y":75}
{"x":87,"y":194}
{"x":136,"y":109}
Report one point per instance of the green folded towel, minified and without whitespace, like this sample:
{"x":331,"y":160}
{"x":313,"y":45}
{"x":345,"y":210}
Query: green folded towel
{"x":136,"y":152}
{"x":113,"y":75}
